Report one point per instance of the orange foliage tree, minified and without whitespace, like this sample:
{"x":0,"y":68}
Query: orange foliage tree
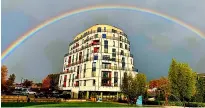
{"x":4,"y":72}
{"x":163,"y":85}
{"x":46,"y":82}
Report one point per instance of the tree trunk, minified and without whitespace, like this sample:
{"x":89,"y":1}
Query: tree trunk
{"x":166,"y":99}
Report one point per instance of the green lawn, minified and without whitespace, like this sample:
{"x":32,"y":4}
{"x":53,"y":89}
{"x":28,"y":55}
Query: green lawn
{"x":63,"y":104}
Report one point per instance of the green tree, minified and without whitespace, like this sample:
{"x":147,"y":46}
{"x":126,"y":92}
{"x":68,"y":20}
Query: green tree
{"x":124,"y":86}
{"x":172,"y":76}
{"x":140,"y":84}
{"x":11,"y":80}
{"x":54,"y":80}
{"x":133,"y":87}
{"x":127,"y":86}
{"x":200,"y":90}
{"x":182,"y":80}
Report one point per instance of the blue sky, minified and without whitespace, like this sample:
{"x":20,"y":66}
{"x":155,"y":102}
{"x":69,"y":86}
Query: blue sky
{"x":154,"y":41}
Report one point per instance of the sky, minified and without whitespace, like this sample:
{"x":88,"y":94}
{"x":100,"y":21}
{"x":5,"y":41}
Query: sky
{"x":154,"y":40}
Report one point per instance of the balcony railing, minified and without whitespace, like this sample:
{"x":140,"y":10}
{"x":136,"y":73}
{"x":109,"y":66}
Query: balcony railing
{"x":105,"y":84}
{"x":109,"y":31}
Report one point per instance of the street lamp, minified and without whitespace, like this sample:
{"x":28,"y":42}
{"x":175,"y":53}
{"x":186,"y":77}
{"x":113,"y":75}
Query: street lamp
{"x":21,"y":81}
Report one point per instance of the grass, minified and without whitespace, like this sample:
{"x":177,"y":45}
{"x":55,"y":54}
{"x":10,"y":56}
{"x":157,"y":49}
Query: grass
{"x":64,"y":104}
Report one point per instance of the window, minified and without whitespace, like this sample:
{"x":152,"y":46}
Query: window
{"x":95,"y":57}
{"x":73,"y":59}
{"x":116,"y":79}
{"x":78,"y":69}
{"x":116,"y":74}
{"x":87,"y":54}
{"x":122,"y":52}
{"x":85,"y":83}
{"x":105,"y":46}
{"x":99,"y":29}
{"x":93,"y":82}
{"x":120,"y":45}
{"x":94,"y":67}
{"x":125,"y":46}
{"x":96,"y":35}
{"x":120,"y":38}
{"x":123,"y":63}
{"x":64,"y":82}
{"x":105,"y":42}
{"x":103,"y":35}
{"x":84,"y":68}
{"x":115,"y":66}
{"x":76,"y":59}
{"x":131,"y":61}
{"x":113,"y":43}
{"x":106,"y":57}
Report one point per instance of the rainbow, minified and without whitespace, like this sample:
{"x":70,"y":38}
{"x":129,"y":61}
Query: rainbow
{"x":30,"y":33}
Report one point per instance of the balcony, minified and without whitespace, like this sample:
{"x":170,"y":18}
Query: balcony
{"x":95,"y":42}
{"x":106,"y":67}
{"x":106,"y":84}
{"x":96,"y":36}
{"x":77,"y":77}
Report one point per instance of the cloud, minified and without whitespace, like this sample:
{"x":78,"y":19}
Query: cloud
{"x":200,"y":66}
{"x":150,"y":35}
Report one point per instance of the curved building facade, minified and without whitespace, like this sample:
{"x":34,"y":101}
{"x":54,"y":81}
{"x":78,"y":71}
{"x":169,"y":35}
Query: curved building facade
{"x":96,"y":62}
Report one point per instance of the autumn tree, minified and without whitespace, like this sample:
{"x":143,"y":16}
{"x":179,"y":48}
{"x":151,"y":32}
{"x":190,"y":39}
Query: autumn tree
{"x":164,"y":85}
{"x":46,"y":82}
{"x":182,"y":80}
{"x":154,"y":84}
{"x":11,"y":80}
{"x":4,"y":72}
{"x":27,"y":83}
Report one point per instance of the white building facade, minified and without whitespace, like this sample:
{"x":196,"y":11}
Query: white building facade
{"x":96,"y":62}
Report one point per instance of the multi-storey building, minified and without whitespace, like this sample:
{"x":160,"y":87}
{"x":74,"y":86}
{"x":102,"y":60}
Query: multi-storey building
{"x":96,"y":62}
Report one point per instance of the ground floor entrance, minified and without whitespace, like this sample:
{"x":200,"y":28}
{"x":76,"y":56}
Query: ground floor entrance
{"x":99,"y":94}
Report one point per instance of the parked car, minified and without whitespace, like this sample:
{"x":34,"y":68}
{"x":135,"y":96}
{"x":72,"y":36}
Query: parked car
{"x":28,"y":91}
{"x":16,"y":92}
{"x":56,"y":94}
{"x":42,"y":94}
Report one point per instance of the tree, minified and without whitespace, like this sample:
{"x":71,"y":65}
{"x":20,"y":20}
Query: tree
{"x":164,"y":85}
{"x":4,"y":71}
{"x":39,"y":84}
{"x":172,"y":76}
{"x":154,"y":84}
{"x":27,"y":83}
{"x":200,"y":90}
{"x":11,"y":80}
{"x":133,"y":87}
{"x":51,"y":81}
{"x":46,"y":82}
{"x":124,"y":86}
{"x":54,"y":79}
{"x":127,"y":87}
{"x":182,"y":80}
{"x":140,"y":81}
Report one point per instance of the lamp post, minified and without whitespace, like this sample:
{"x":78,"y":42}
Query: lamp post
{"x":21,"y":81}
